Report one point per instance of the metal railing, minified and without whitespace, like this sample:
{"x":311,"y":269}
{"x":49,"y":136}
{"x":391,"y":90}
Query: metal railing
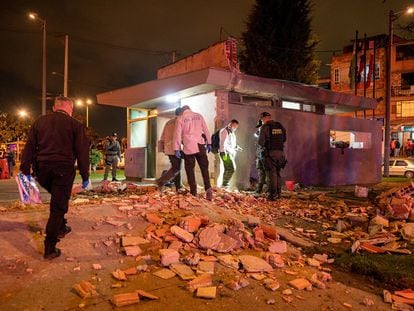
{"x":401,"y":91}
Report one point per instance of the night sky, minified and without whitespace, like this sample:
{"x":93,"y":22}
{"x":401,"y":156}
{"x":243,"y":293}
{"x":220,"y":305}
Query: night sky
{"x":114,"y":44}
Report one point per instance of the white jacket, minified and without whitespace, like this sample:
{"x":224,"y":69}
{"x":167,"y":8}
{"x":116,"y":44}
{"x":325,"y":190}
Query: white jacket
{"x":189,"y":128}
{"x":228,"y":142}
{"x":166,"y":141}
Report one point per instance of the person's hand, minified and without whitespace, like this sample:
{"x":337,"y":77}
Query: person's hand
{"x":208,"y":148}
{"x":178,"y":154}
{"x":85,"y":184}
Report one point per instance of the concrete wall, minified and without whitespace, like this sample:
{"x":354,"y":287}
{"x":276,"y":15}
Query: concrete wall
{"x":311,"y":160}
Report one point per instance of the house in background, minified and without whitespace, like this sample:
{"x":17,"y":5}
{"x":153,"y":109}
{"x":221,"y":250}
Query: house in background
{"x":211,"y":84}
{"x":402,"y":79}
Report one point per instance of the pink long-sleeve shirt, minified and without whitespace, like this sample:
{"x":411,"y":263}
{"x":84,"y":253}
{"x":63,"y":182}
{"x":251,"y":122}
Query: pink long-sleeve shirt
{"x":189,"y":128}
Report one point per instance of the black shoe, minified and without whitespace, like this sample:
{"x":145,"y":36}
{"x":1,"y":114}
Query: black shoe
{"x":114,"y":179}
{"x":51,"y":251}
{"x":64,"y":232}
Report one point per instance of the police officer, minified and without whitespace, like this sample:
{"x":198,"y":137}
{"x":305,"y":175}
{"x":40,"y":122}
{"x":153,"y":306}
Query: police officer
{"x":55,"y":142}
{"x":272,"y":138}
{"x":259,"y":161}
{"x":112,"y":156}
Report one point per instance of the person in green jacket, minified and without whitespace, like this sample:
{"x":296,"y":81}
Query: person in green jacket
{"x":95,"y":157}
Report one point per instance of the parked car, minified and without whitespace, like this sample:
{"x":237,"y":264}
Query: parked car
{"x":401,"y":167}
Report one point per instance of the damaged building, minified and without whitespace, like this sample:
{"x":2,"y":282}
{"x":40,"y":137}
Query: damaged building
{"x":323,"y":148}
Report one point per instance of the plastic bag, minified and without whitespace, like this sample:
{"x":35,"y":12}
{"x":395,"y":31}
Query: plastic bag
{"x":29,"y":192}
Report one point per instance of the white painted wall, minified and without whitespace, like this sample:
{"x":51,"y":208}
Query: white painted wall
{"x":205,"y":104}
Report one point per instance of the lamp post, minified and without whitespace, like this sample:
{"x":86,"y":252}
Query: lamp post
{"x":392,"y":17}
{"x":87,"y":102}
{"x":22,"y":114}
{"x":35,"y":16}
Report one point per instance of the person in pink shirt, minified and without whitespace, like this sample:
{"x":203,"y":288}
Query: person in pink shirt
{"x":192,"y":134}
{"x":166,"y":145}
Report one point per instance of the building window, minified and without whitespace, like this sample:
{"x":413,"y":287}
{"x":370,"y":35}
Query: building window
{"x":377,"y":71}
{"x":405,"y":108}
{"x":336,"y":75}
{"x":290,"y":105}
{"x":350,"y":139}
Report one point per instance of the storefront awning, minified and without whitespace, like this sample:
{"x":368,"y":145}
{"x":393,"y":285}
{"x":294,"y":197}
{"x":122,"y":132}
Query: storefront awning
{"x":149,"y":94}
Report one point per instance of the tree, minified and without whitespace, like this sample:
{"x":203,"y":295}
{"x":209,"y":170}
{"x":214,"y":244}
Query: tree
{"x":279,"y":42}
{"x":13,"y":128}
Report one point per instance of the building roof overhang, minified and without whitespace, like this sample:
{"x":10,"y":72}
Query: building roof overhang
{"x":150,"y":94}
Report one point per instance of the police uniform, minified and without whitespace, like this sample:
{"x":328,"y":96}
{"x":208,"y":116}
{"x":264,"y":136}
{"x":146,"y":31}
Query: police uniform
{"x":272,"y":138}
{"x":112,"y":155}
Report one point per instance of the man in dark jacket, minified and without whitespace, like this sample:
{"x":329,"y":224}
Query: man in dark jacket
{"x":55,"y":142}
{"x":272,"y":139}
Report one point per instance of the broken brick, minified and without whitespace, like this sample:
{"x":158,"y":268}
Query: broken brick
{"x":165,"y":274}
{"x":182,"y":234}
{"x":169,"y":256}
{"x":153,"y":218}
{"x":278,"y":247}
{"x":85,"y":289}
{"x":203,"y":280}
{"x":143,"y":294}
{"x":190,"y":223}
{"x":300,"y":284}
{"x":269,"y":232}
{"x":254,"y":264}
{"x":119,"y":275}
{"x":126,"y":299}
{"x":207,"y":292}
{"x":132,"y":250}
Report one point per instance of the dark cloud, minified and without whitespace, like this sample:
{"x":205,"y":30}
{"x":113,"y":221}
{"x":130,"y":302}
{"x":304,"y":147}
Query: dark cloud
{"x":119,"y":43}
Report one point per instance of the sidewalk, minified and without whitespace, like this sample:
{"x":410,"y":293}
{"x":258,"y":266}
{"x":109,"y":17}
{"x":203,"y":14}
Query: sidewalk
{"x":9,"y":192}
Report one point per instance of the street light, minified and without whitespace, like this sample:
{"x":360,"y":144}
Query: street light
{"x":80,"y":103}
{"x":392,"y":17}
{"x":22,"y":113}
{"x":35,"y":16}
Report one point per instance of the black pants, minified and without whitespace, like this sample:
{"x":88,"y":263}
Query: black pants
{"x":172,"y":173}
{"x":189,"y":164}
{"x":57,"y":179}
{"x":228,"y":168}
{"x":273,"y":172}
{"x":262,"y":175}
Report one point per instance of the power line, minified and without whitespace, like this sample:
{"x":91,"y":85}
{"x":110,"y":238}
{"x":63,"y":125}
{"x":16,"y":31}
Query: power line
{"x":96,"y":42}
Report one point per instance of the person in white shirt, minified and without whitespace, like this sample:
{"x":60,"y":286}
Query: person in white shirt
{"x":228,"y":150}
{"x":192,"y":133}
{"x":166,"y":145}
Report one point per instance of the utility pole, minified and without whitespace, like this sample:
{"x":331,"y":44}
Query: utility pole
{"x":65,"y":69}
{"x":44,"y":70}
{"x":387,"y":138}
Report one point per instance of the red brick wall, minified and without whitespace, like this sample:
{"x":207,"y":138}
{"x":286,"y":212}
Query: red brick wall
{"x":214,"y":56}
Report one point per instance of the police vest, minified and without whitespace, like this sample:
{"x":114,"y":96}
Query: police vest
{"x":276,"y":136}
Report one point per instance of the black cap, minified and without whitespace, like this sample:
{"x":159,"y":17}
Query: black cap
{"x":114,"y":134}
{"x":259,"y":123}
{"x":178,"y":111}
{"x":265,"y":114}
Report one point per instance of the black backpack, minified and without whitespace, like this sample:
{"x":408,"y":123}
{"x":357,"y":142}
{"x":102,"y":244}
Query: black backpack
{"x":215,"y":142}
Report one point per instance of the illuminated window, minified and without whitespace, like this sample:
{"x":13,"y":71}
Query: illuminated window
{"x":350,"y":139}
{"x":290,"y":105}
{"x":405,"y":108}
{"x":336,"y":75}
